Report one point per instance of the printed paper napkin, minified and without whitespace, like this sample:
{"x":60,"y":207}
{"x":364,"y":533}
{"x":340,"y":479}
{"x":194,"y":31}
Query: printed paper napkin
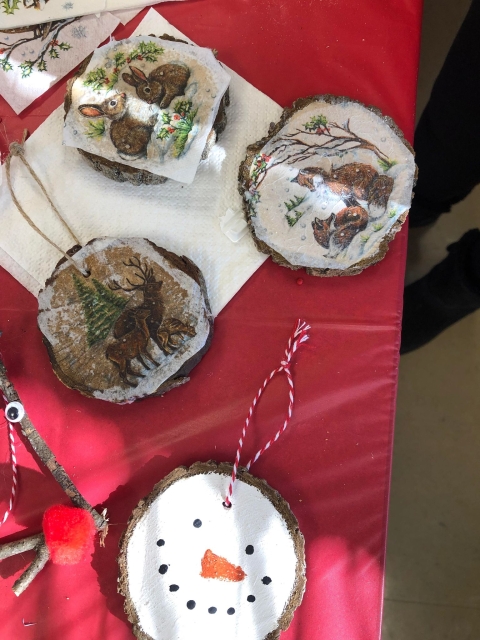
{"x":21,"y":13}
{"x":182,"y":218}
{"x":36,"y":58}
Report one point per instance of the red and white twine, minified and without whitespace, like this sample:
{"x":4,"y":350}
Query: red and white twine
{"x":298,"y":337}
{"x":13,"y":459}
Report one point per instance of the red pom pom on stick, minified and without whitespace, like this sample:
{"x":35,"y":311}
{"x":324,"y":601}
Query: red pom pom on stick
{"x":69,"y":534}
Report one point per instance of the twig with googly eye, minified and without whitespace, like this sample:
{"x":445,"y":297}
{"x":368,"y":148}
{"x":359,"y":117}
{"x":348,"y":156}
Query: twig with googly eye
{"x":15,"y":413}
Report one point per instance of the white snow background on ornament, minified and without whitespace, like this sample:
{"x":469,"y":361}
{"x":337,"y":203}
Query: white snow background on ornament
{"x":182,"y":218}
{"x":252,"y":521}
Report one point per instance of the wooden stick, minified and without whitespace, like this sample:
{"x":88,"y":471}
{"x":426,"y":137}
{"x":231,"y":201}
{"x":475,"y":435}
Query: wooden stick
{"x":19,"y":546}
{"x":46,"y":456}
{"x":34,"y":569}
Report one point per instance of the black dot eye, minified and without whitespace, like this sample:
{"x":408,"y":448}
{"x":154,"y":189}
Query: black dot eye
{"x":191,"y":604}
{"x":174,"y":587}
{"x":251,"y":598}
{"x":160,"y":543}
{"x":163,"y":569}
{"x":212,"y":610}
{"x":231,"y":611}
{"x":113,"y":103}
{"x":249,"y":550}
{"x":147,"y":90}
{"x":14,"y":411}
{"x":197,"y":523}
{"x":266,"y":580}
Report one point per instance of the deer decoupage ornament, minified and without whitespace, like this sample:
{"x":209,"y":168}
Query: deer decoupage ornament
{"x":147,"y":109}
{"x":328,"y":187}
{"x":214,"y":552}
{"x":121,"y":318}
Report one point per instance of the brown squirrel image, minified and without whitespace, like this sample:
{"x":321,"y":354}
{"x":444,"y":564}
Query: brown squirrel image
{"x":162,"y":85}
{"x":352,"y":182}
{"x":346,"y":224}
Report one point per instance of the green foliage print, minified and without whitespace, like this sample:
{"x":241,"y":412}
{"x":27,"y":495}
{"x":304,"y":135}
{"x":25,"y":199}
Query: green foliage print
{"x":178,"y":125}
{"x":101,"y":308}
{"x":95,"y":128}
{"x":52,"y":49}
{"x":317,"y":124}
{"x":9,"y":6}
{"x":291,"y":206}
{"x":100,"y":78}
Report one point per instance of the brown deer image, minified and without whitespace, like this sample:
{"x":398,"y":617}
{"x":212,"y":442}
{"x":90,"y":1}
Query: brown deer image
{"x":162,"y":85}
{"x":346,"y":224}
{"x":167,"y":335}
{"x":351,"y":182}
{"x":132,"y":345}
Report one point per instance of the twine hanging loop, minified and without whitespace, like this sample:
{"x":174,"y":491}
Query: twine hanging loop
{"x":298,"y":337}
{"x":17,"y":149}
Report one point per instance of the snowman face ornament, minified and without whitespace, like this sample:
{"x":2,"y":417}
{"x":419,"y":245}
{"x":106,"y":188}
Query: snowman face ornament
{"x":190,"y":568}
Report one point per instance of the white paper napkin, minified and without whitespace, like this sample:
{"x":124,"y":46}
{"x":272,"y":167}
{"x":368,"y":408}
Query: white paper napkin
{"x":181,"y":218}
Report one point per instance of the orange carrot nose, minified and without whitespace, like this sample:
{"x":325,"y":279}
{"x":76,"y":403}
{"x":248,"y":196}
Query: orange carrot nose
{"x":214,"y":566}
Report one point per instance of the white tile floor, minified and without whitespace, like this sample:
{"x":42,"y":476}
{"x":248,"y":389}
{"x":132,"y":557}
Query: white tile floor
{"x":433,"y":557}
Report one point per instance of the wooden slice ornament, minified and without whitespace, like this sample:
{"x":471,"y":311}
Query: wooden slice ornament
{"x":214,"y":552}
{"x":147,"y":109}
{"x":134,"y":327}
{"x":122,"y":318}
{"x":329,"y":186}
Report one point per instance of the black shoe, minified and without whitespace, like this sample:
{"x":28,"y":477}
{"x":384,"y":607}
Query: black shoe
{"x":447,"y":294}
{"x":421,"y":216}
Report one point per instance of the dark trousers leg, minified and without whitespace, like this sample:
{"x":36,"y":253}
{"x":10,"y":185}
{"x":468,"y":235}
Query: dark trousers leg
{"x":447,"y":139}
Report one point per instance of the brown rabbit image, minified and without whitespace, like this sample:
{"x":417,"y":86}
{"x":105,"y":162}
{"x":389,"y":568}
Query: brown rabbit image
{"x":162,"y":85}
{"x":130,"y":136}
{"x":346,"y":224}
{"x":351,"y":182}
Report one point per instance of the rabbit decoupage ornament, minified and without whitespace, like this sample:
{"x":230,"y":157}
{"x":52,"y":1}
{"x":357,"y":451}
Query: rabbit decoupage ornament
{"x":147,"y":109}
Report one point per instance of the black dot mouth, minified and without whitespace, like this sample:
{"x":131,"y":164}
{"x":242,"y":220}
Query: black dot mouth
{"x":160,"y":543}
{"x":197,"y":523}
{"x":249,"y":550}
{"x":191,"y":604}
{"x":231,"y":611}
{"x":174,"y":587}
{"x":266,"y":580}
{"x":163,"y":569}
{"x":251,"y":598}
{"x":212,"y":610}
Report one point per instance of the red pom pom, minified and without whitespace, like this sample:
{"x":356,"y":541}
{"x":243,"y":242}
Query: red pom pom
{"x":69,"y":533}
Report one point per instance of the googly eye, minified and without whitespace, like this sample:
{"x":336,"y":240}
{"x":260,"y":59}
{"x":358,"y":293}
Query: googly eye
{"x":14,"y":411}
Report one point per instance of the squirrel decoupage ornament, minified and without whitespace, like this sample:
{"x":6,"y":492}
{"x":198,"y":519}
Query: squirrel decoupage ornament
{"x":147,"y":109}
{"x":214,"y":552}
{"x":122,"y":318}
{"x":328,"y":187}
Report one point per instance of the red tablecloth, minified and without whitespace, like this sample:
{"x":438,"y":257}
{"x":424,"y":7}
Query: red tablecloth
{"x":333,"y":464}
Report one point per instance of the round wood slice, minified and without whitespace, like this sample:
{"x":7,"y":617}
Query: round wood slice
{"x":329,"y":186}
{"x":121,"y":172}
{"x":190,"y":568}
{"x":135,"y":327}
